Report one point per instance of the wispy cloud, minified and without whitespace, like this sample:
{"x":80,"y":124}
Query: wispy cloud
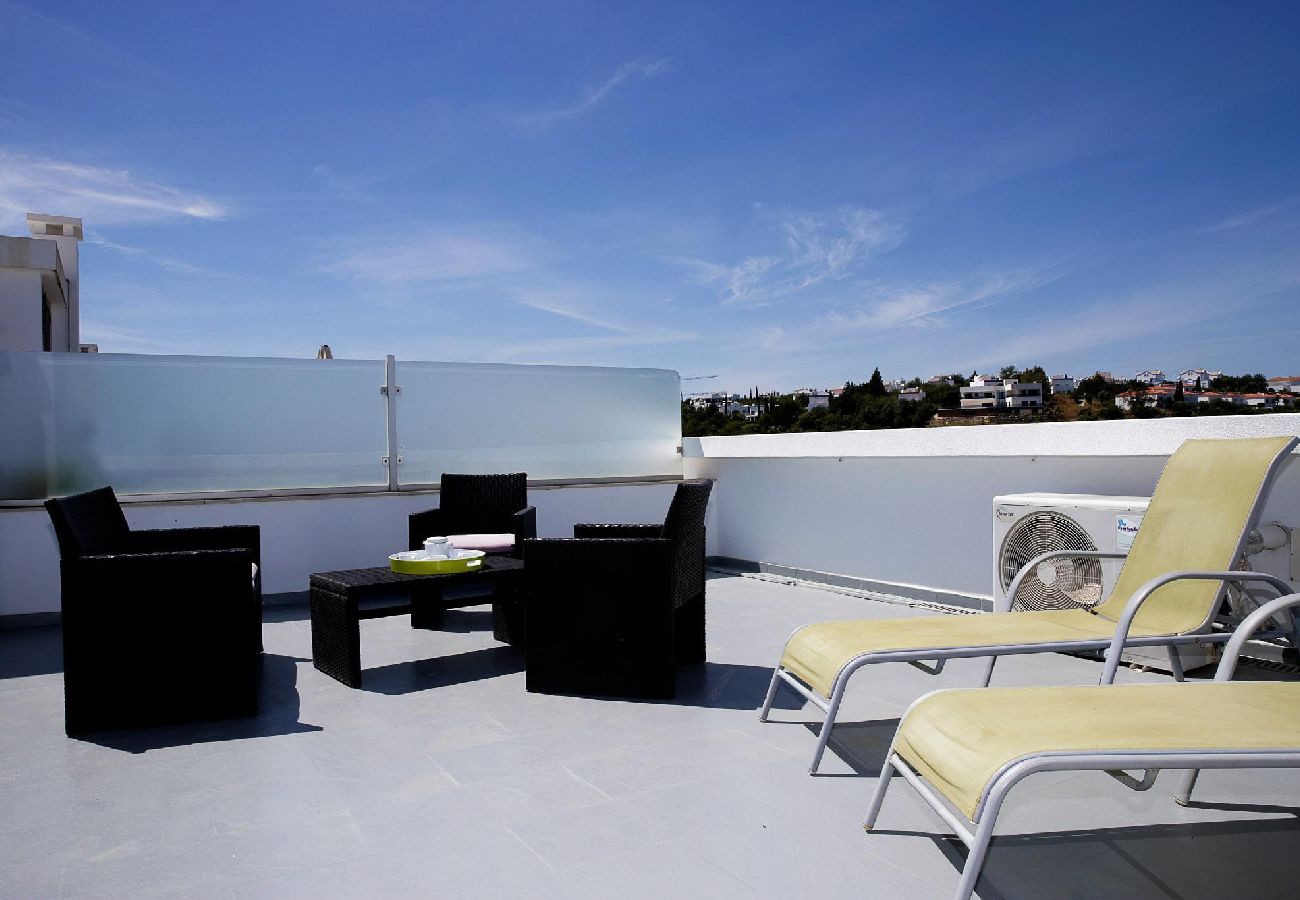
{"x":98,"y":195}
{"x":574,"y":350}
{"x":340,"y":186}
{"x":1214,"y":306}
{"x":1248,"y":218}
{"x":432,"y":255}
{"x":818,"y":248}
{"x":562,"y":303}
{"x":636,"y":70}
{"x":925,"y":305}
{"x":163,"y":262}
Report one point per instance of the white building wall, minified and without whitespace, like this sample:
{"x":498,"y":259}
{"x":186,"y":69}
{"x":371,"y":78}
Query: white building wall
{"x":913,"y":506}
{"x":20,"y":309}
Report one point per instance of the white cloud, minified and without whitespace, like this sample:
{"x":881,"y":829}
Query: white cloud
{"x":96,"y":194}
{"x":1248,"y":218}
{"x":896,"y":307}
{"x":163,"y":262}
{"x":818,"y":248}
{"x":563,"y":304}
{"x":433,"y":255}
{"x":636,"y":70}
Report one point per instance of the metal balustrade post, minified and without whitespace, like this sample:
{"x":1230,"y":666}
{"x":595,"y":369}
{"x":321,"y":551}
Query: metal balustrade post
{"x":390,"y":390}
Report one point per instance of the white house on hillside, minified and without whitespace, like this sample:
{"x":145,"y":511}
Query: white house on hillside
{"x":991,"y":392}
{"x":1154,"y":376}
{"x":1063,"y":384}
{"x":1205,"y":377}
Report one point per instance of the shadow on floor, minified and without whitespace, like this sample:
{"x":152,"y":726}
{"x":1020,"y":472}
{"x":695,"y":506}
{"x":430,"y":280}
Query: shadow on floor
{"x":717,"y":685}
{"x":861,"y":745}
{"x":277,"y":701}
{"x":465,"y":621}
{"x":25,"y":652}
{"x":442,"y":671}
{"x":1187,"y":860}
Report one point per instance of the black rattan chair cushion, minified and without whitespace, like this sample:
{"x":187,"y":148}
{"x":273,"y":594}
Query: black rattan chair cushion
{"x":89,"y":524}
{"x":483,"y":504}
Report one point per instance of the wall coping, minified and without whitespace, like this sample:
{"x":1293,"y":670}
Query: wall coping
{"x":1129,"y":437}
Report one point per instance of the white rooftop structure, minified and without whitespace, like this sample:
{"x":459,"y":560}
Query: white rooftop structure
{"x":40,"y":306}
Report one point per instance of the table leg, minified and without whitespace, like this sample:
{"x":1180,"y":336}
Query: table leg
{"x":508,"y":623}
{"x":336,"y":636}
{"x":426,"y":606}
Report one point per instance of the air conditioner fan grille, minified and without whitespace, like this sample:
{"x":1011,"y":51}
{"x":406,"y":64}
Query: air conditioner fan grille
{"x":1062,"y":583}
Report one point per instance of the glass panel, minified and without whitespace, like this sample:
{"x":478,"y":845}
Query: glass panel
{"x":548,"y":421}
{"x":177,"y":424}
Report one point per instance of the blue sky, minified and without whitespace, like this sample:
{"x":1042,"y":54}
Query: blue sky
{"x":778,"y":194}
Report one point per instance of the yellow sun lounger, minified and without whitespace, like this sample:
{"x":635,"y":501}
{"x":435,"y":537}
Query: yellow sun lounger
{"x":963,"y":750}
{"x":1196,"y":525}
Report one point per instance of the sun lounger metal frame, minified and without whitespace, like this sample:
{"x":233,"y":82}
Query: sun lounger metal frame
{"x":978,"y":832}
{"x":918,"y":657}
{"x":1113,"y":646}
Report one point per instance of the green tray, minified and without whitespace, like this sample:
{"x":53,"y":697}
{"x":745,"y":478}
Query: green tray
{"x":414,"y":562}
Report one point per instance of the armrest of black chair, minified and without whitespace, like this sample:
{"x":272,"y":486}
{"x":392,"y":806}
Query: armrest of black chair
{"x":218,"y":537}
{"x":594,"y":530}
{"x":525,"y":524}
{"x":427,"y":524}
{"x":525,"y":528}
{"x":177,"y":574}
{"x":221,"y":537}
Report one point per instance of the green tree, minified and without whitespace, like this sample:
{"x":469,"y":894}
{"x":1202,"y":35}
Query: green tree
{"x":942,"y":396}
{"x":876,"y":386}
{"x":1095,"y":389}
{"x":1243,"y":384}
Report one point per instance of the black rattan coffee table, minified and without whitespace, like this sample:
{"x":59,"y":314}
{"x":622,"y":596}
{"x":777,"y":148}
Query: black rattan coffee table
{"x":336,"y":610}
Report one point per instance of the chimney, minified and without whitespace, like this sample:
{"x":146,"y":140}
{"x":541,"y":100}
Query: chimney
{"x":65,"y":232}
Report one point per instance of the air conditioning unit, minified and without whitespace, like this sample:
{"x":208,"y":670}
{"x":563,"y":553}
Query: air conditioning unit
{"x":1026,"y":525}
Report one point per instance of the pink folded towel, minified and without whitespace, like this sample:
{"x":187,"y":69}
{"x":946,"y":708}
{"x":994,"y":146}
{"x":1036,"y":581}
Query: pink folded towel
{"x":488,"y":543}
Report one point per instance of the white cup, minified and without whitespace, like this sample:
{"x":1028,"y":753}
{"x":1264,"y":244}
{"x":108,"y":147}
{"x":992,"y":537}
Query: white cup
{"x":438,"y":546}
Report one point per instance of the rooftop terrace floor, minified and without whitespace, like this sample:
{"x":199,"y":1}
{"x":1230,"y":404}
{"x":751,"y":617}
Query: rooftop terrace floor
{"x":444,"y":776}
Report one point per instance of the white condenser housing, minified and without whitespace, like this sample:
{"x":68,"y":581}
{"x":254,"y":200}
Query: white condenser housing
{"x":1025,"y":525}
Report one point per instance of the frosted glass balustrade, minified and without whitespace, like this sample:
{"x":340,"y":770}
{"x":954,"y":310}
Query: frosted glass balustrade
{"x":548,"y":421}
{"x":148,"y":424}
{"x":155,"y":424}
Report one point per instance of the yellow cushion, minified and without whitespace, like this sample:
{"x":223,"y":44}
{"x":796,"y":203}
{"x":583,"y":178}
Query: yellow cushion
{"x":1198,"y":515}
{"x":959,"y":739}
{"x":816,"y":653}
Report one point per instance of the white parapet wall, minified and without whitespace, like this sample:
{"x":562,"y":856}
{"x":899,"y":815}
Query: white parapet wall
{"x":913,"y":507}
{"x":304,"y":533}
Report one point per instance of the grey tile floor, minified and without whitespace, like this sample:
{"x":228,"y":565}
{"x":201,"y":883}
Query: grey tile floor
{"x":444,"y":777}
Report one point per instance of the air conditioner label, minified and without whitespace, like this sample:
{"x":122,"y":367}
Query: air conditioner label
{"x":1126,"y":528}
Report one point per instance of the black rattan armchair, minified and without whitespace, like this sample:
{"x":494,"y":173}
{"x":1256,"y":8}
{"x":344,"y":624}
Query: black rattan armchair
{"x":600,"y":617}
{"x":478,"y":504}
{"x":684,"y":527}
{"x":159,"y":626}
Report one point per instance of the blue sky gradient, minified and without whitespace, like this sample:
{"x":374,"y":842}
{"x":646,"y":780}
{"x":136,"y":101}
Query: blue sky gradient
{"x":778,"y":194}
